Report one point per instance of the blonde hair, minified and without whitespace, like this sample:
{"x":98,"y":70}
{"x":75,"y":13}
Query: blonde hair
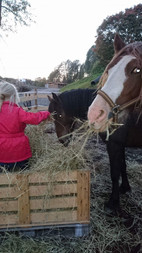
{"x":8,"y":92}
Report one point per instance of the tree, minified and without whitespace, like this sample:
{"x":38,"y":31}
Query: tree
{"x":54,"y":76}
{"x":129,"y":26}
{"x":66,"y":72}
{"x":73,"y":71}
{"x":90,"y":59}
{"x":14,"y":12}
{"x":81,"y":71}
{"x":40,"y":82}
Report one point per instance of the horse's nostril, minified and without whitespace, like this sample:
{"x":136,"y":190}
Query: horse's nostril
{"x":101,"y":113}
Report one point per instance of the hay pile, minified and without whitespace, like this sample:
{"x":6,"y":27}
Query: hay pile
{"x":49,"y":155}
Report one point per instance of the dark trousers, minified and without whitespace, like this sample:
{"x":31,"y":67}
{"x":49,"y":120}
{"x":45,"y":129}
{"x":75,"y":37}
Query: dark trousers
{"x":22,"y":165}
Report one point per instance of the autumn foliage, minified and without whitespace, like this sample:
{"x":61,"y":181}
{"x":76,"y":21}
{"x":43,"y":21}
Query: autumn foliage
{"x":129,"y":26}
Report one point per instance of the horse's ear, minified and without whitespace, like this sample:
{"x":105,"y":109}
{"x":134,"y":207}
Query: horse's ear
{"x":50,"y":98}
{"x":118,"y":43}
{"x":56,"y":98}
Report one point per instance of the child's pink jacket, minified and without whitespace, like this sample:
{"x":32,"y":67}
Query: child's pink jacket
{"x":14,"y":144}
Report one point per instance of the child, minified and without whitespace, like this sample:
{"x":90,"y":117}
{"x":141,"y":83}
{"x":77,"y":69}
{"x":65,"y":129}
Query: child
{"x":14,"y":144}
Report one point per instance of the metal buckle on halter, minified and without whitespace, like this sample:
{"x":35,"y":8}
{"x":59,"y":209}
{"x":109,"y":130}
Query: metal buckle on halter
{"x":113,"y":113}
{"x":115,"y":108}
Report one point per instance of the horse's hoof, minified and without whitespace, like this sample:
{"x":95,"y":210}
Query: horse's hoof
{"x":123,"y":189}
{"x":111,"y":210}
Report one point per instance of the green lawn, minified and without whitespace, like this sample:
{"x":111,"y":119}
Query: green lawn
{"x":83,"y":83}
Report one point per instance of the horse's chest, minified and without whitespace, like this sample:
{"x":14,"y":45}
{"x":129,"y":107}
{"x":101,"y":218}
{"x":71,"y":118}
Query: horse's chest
{"x":134,"y":138}
{"x":126,"y":136}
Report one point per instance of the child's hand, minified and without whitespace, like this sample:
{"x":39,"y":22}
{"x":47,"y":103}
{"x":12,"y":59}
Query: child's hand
{"x":50,"y":118}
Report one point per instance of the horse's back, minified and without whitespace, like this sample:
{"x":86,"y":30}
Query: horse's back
{"x":77,"y":101}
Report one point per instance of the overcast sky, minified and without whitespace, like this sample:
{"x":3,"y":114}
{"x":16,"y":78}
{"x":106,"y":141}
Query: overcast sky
{"x":64,"y":29}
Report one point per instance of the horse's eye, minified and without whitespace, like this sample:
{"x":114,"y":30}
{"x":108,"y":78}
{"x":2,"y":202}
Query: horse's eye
{"x":136,"y":70}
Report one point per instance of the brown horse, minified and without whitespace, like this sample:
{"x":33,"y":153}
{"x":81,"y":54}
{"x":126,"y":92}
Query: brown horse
{"x":117,"y":108}
{"x":66,"y":108}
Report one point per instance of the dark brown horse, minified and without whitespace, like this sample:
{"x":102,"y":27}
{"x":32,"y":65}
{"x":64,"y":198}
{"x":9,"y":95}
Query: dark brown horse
{"x":117,"y":107}
{"x":67,"y":107}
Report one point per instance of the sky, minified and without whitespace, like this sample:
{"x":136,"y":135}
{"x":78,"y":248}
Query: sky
{"x":64,"y":29}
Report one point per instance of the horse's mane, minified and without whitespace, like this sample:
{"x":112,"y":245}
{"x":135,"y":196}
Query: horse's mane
{"x":76,"y":102}
{"x":134,"y":49}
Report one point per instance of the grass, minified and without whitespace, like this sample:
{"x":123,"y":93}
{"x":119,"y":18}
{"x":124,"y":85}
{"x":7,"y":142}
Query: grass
{"x":81,"y":84}
{"x":119,"y":234}
{"x":86,"y":82}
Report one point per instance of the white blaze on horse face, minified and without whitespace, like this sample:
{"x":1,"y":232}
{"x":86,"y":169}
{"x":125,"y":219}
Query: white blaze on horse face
{"x":99,"y":109}
{"x":116,"y":78}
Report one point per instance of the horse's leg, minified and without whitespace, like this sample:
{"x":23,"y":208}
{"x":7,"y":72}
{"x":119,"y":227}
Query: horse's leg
{"x":124,"y":187}
{"x":116,"y":156}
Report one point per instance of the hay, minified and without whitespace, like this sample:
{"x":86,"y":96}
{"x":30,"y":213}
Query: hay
{"x":109,"y":126}
{"x":48,"y":154}
{"x":108,"y":234}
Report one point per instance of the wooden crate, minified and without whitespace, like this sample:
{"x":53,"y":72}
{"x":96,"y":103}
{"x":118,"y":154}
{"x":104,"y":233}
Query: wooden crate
{"x":33,"y":199}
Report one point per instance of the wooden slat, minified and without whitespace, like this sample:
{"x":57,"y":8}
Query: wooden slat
{"x":9,"y":192}
{"x":39,"y":177}
{"x":63,"y":216}
{"x":13,"y":189}
{"x":28,"y":98}
{"x":9,"y":178}
{"x":43,"y":95}
{"x":53,"y":190}
{"x":6,"y":206}
{"x":36,"y":109}
{"x":8,"y":219}
{"x":42,"y":108}
{"x":23,"y":200}
{"x":63,"y":202}
{"x":83,"y":195}
{"x":58,"y":177}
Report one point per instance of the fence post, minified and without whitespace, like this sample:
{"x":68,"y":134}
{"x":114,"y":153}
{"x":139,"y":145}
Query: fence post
{"x":36,"y":105}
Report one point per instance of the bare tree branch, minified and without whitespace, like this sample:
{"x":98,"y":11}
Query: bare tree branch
{"x":4,"y":7}
{"x":14,"y":12}
{"x":0,"y":11}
